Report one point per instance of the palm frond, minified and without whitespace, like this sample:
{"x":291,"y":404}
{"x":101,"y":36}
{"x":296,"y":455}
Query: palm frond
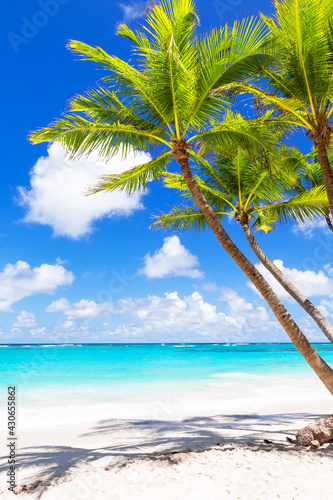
{"x":104,"y":106}
{"x":216,"y":198}
{"x":181,"y":219}
{"x":293,"y":109}
{"x":299,"y":208}
{"x":301,"y":31}
{"x":233,"y":133}
{"x":80,"y":136}
{"x":131,"y":83}
{"x":225,"y":55}
{"x":135,"y":178}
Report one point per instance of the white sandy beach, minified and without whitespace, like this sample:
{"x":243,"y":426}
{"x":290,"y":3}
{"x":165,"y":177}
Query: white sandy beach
{"x":176,"y":448}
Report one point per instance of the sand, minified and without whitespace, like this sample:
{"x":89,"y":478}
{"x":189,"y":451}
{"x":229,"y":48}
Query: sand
{"x":234,"y":471}
{"x":67,"y":453}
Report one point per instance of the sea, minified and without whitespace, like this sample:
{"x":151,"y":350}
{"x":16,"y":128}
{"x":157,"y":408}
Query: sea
{"x":159,"y":381}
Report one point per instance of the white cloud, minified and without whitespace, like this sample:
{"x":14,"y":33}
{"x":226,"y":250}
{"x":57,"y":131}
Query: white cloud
{"x":19,"y":280}
{"x":326,"y":307}
{"x":173,"y":259}
{"x":15,"y":333}
{"x":310,"y":283}
{"x":154,"y":312}
{"x":132,"y":11}
{"x":65,"y":331}
{"x":310,"y":329}
{"x":25,"y":319}
{"x":245,"y":314}
{"x":38,"y":332}
{"x":82,"y":309}
{"x":172,"y":312}
{"x":192,"y":317}
{"x":167,"y":318}
{"x":309,"y":228}
{"x":56,"y":196}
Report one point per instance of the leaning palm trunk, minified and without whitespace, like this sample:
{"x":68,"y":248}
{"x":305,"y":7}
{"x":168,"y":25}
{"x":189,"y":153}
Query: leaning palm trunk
{"x":326,"y":169}
{"x":307,"y":305}
{"x":320,"y":367}
{"x":329,"y":223}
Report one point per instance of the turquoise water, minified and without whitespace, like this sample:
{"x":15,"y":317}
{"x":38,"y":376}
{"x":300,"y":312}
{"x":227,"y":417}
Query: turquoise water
{"x":91,"y":381}
{"x":37,"y":366}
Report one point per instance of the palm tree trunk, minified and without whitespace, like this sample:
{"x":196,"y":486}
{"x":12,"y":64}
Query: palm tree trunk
{"x":326,"y":170}
{"x":329,"y":222}
{"x":315,"y":314}
{"x":320,"y":367}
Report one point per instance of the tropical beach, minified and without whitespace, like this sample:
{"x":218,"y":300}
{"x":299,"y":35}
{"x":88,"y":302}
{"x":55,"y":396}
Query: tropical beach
{"x":194,"y":364}
{"x":109,"y":435}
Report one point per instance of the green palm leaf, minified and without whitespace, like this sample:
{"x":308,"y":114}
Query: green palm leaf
{"x":181,"y":219}
{"x":135,"y":178}
{"x":80,"y":136}
{"x":225,"y":55}
{"x":300,"y":35}
{"x":299,"y":208}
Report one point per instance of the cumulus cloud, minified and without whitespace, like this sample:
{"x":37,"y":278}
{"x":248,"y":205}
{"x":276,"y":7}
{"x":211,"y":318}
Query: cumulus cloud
{"x":168,"y":317}
{"x":171,"y":312}
{"x":310,"y":329}
{"x":310,"y":283}
{"x":326,"y":307}
{"x":132,"y":11}
{"x":309,"y":228}
{"x":245,"y":314}
{"x":38,"y":332}
{"x":191,"y":317}
{"x":173,"y":259}
{"x":19,"y":280}
{"x":25,"y":319}
{"x":57,"y":186}
{"x":82,"y":309}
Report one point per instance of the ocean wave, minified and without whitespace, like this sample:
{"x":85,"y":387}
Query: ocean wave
{"x":69,"y":345}
{"x":185,"y":345}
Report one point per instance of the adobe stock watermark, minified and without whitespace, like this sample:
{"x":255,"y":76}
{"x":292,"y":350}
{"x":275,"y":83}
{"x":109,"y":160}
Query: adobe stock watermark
{"x":30,"y":27}
{"x":322,"y":253}
{"x":117,"y":283}
{"x":228,"y":6}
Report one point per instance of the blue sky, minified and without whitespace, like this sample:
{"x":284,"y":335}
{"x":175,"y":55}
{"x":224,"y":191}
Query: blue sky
{"x":78,"y":269}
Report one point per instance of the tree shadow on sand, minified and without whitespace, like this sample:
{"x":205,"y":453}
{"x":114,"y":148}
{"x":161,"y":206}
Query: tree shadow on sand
{"x":162,"y":440}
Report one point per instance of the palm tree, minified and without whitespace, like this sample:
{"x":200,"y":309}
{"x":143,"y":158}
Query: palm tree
{"x":300,"y":80}
{"x":167,"y":104}
{"x":238,"y":186}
